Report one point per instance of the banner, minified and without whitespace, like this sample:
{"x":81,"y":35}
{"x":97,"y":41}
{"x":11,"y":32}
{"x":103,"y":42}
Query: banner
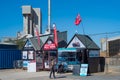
{"x":55,"y":35}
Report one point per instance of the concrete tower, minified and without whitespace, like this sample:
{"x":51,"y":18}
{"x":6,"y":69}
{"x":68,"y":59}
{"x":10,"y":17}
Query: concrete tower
{"x":31,"y":19}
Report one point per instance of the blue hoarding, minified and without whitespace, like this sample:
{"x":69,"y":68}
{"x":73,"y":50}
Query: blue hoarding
{"x":7,"y":58}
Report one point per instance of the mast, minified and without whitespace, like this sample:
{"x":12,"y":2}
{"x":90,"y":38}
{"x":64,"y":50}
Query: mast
{"x":49,"y":16}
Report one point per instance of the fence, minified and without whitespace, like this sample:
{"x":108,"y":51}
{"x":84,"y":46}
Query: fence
{"x":113,"y":64}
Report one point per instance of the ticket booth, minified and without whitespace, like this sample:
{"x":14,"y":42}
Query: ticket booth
{"x":29,"y":57}
{"x":85,"y":51}
{"x":45,"y":51}
{"x":49,"y":53}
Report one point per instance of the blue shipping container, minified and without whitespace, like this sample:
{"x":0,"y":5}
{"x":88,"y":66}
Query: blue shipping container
{"x":7,"y":58}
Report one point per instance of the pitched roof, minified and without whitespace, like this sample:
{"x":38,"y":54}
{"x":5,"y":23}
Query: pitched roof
{"x":35,"y":44}
{"x":62,"y":40}
{"x":86,"y":40}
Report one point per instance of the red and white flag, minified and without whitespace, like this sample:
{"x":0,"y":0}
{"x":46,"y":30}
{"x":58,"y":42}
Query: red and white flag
{"x":78,"y":20}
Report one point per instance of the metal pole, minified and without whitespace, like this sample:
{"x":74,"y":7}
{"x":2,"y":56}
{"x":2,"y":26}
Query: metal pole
{"x":49,"y":16}
{"x":106,"y":45}
{"x":106,"y":64}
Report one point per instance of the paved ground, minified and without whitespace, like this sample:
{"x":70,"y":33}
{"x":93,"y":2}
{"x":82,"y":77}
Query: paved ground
{"x":18,"y":74}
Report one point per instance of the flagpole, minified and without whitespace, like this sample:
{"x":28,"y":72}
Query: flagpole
{"x":87,"y":51}
{"x":49,"y":16}
{"x":83,"y":29}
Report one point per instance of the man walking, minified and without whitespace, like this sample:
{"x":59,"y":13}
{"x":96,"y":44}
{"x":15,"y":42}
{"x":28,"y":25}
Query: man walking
{"x":52,"y":69}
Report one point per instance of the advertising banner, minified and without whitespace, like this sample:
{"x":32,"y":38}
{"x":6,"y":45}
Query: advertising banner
{"x":24,"y":55}
{"x":83,"y":69}
{"x":31,"y":66}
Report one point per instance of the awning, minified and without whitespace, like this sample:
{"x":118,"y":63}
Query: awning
{"x":67,"y":50}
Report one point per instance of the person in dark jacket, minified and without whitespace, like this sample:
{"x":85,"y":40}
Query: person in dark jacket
{"x":52,"y":68}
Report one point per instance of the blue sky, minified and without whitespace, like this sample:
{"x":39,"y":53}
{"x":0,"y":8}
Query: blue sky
{"x":98,"y":16}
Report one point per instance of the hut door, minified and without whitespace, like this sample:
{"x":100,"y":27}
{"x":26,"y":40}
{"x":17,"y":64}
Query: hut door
{"x":46,"y":60}
{"x":49,"y":55}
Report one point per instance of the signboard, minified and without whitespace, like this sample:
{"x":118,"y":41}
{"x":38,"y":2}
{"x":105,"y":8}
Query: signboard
{"x":49,"y":45}
{"x":28,"y":45}
{"x":76,"y":43}
{"x":83,"y":69}
{"x":25,"y":64}
{"x":67,"y":50}
{"x":30,"y":55}
{"x":24,"y":55}
{"x":31,"y":66}
{"x":46,"y":64}
{"x":94,"y":53}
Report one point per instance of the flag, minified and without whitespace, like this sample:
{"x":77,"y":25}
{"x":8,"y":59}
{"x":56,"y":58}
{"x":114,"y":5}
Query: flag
{"x":78,"y":20}
{"x":37,"y":34}
{"x":55,"y":35}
